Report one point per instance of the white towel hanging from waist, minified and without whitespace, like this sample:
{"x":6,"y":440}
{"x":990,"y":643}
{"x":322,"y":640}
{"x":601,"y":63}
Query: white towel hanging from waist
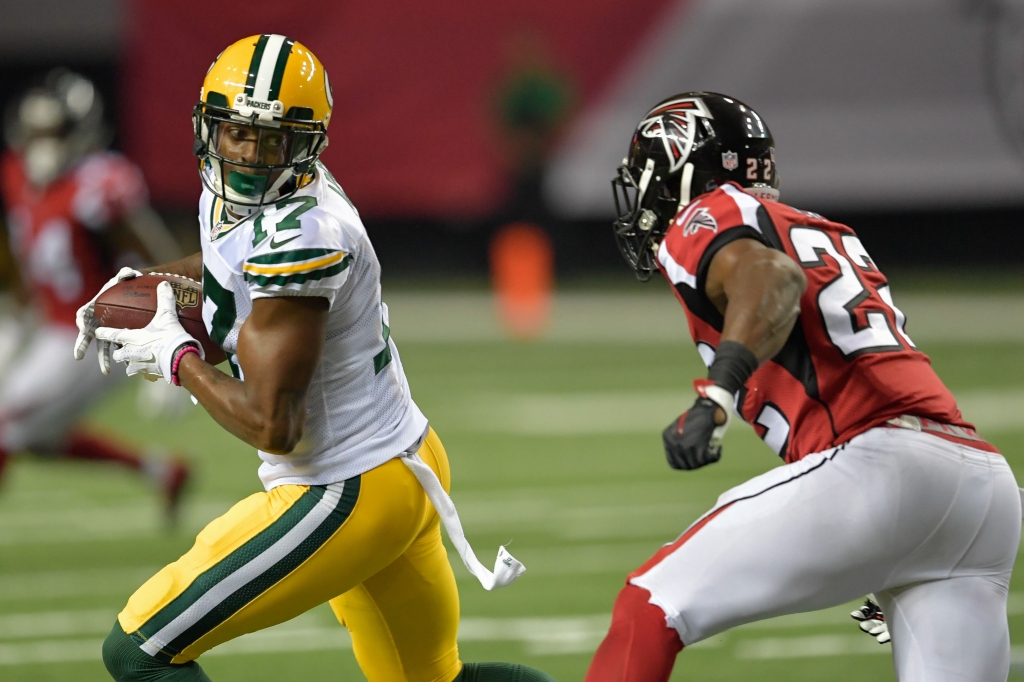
{"x":506,"y":567}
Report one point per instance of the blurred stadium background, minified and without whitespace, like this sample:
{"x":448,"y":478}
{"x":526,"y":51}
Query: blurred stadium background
{"x":905,"y":120}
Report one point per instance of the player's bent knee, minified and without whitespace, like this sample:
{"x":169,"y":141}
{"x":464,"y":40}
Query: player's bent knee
{"x":122,"y":656}
{"x":639,"y":645}
{"x":126,"y":662}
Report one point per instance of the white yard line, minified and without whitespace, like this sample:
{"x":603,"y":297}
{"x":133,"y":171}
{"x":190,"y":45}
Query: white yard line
{"x":316,"y":631}
{"x":570,"y":414}
{"x":569,"y":512}
{"x":75,"y":583}
{"x":645,"y":412}
{"x":993,"y":410}
{"x":809,"y":647}
{"x":614,"y":558}
{"x":80,"y":524}
{"x":56,"y":623}
{"x":539,"y":636}
{"x":51,"y":651}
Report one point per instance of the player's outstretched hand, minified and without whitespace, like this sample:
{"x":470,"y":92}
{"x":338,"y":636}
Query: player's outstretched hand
{"x":695,"y":438}
{"x":150,"y":351}
{"x":872,"y":620}
{"x":86,"y":320}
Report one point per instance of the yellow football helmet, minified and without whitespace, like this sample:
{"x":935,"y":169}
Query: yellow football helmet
{"x":261,"y":121}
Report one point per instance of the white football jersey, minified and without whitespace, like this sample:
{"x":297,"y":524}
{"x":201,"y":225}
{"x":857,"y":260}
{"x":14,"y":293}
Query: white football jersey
{"x":359,"y":411}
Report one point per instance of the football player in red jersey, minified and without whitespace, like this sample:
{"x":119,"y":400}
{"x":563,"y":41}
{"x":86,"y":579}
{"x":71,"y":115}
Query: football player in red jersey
{"x":75,"y":213}
{"x":885,"y":487}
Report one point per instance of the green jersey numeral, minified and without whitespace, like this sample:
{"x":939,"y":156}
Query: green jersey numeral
{"x":259,"y":234}
{"x":225,"y":315}
{"x":289,"y":222}
{"x":383,"y":358}
{"x":334,"y":185}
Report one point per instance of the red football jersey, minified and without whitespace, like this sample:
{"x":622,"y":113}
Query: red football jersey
{"x":848,"y":365}
{"x":55,"y":232}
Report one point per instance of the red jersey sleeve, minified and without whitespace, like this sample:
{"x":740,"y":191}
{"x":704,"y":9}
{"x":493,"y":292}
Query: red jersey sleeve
{"x":698,"y":232}
{"x":109,"y":188}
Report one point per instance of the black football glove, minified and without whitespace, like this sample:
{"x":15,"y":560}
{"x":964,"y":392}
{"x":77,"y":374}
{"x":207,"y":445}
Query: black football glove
{"x":695,"y":439}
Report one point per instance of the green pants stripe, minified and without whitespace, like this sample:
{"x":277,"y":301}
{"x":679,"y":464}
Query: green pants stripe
{"x":249,"y":571}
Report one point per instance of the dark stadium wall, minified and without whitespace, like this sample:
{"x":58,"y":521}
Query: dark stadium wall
{"x":875,"y":106}
{"x":414,"y":130}
{"x":418,"y":143}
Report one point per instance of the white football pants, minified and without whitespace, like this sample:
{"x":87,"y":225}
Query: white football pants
{"x":45,"y":390}
{"x":931,"y":527}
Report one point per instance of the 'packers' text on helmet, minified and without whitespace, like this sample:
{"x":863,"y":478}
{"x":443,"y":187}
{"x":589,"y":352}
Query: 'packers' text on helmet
{"x":687,"y":145}
{"x":261,"y":121}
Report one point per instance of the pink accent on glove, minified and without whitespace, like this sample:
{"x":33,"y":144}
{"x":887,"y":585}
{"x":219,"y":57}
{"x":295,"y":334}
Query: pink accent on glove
{"x":182,"y":352}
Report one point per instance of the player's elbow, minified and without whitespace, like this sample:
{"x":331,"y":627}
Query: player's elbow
{"x":796,"y":277}
{"x":279,"y":436}
{"x":778,"y":273}
{"x":783,"y":272}
{"x":790,"y":283}
{"x":279,"y":443}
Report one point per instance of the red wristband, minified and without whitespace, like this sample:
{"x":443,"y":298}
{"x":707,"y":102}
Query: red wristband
{"x":182,"y":352}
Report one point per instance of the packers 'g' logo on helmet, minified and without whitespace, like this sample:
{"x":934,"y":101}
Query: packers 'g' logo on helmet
{"x":261,"y":122}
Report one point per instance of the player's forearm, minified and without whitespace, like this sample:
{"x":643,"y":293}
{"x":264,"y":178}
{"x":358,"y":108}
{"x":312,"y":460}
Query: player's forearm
{"x":763,"y":293}
{"x":190,"y":266}
{"x":273,"y":425}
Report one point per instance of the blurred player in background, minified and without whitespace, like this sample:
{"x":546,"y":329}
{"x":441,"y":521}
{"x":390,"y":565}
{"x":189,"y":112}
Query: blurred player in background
{"x":75,"y":214}
{"x":886,"y":488}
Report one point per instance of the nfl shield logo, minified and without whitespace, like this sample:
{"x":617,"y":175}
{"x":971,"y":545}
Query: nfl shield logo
{"x":730,"y":160}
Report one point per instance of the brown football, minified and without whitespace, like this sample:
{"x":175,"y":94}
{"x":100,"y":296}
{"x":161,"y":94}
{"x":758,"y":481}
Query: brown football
{"x":131,"y":304}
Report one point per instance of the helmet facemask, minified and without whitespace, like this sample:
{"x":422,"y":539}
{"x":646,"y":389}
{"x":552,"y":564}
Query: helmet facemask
{"x":644,"y":206}
{"x":251,"y":159}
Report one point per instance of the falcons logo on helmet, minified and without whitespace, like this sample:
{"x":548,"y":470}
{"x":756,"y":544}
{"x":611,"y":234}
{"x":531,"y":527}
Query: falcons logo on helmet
{"x":675,"y":123}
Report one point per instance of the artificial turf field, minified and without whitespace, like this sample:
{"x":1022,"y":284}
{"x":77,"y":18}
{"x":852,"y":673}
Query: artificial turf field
{"x":554,"y":445}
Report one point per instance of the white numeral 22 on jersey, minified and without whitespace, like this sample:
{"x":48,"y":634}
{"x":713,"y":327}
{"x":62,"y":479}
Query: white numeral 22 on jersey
{"x":838,"y":299}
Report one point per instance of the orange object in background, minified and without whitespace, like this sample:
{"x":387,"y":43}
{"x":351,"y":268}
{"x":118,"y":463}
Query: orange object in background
{"x":523,"y":273}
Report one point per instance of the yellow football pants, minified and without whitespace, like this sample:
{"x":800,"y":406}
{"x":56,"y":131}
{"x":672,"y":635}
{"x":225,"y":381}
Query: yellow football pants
{"x":370,"y":545}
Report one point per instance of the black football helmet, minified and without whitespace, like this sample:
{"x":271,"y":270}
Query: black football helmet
{"x":687,"y":145}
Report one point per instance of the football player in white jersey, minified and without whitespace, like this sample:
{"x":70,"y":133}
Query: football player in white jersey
{"x":291,"y":290}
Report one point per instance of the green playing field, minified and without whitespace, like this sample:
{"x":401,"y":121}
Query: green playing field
{"x":554,"y":446}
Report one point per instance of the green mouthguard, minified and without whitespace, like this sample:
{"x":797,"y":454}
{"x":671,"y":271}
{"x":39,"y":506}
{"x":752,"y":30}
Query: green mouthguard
{"x":247,"y":183}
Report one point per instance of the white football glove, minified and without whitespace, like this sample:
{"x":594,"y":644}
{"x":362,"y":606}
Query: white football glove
{"x":872,"y":621}
{"x":86,"y":320}
{"x":150,"y":351}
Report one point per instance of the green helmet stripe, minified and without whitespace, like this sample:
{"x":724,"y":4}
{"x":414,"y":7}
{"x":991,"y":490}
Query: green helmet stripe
{"x":254,"y":64}
{"x":282,"y":61}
